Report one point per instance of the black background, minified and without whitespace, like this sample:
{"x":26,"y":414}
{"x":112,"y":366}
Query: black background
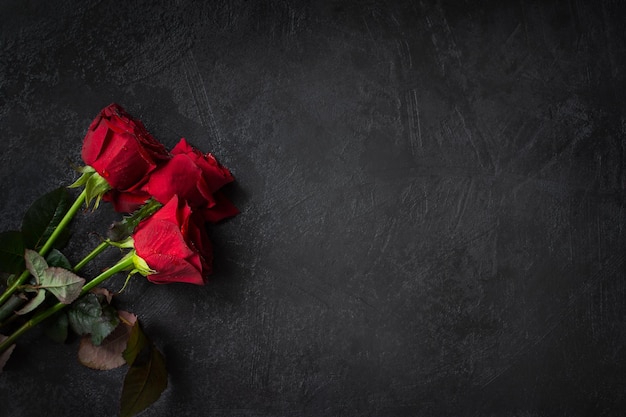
{"x":432,"y":199}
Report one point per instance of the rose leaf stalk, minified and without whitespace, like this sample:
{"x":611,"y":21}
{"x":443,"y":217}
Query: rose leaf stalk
{"x":126,"y":263}
{"x":48,"y":245}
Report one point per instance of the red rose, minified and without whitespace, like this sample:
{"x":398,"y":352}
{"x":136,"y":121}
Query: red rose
{"x":120,"y":149}
{"x":174,"y":244}
{"x":126,"y":201}
{"x":194,"y":177}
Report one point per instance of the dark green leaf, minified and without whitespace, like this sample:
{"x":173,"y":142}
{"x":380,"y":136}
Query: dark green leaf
{"x":57,"y":327}
{"x":12,"y":252}
{"x":43,"y":217}
{"x":56,"y":258}
{"x":145,"y":381}
{"x":91,"y":315}
{"x":137,"y":341}
{"x":35,"y":264}
{"x":63,"y":284}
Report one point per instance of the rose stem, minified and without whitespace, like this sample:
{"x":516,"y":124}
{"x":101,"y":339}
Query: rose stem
{"x":13,"y":303}
{"x":101,"y":247}
{"x":124,"y":264}
{"x":48,"y":245}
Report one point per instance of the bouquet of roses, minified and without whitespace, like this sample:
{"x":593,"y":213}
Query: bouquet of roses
{"x":169,"y":198}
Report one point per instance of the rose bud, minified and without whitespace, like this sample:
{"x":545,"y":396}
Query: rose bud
{"x":194,"y":177}
{"x":120,"y":149}
{"x":172,"y":245}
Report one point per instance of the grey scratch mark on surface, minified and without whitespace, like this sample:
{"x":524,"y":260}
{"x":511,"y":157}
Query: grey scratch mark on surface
{"x":406,"y":61}
{"x":367,"y":26}
{"x":599,"y":236}
{"x":417,"y":116}
{"x":268,"y":322}
{"x":294,"y":204}
{"x":470,"y":138}
{"x":408,"y":53}
{"x":293,"y":23}
{"x":425,"y":200}
{"x":393,"y":17}
{"x":439,"y":139}
{"x":415,"y":129}
{"x":445,"y":45}
{"x":406,"y":193}
{"x":525,"y":22}
{"x":461,"y":205}
{"x":200,"y":96}
{"x":609,"y":42}
{"x":261,"y":359}
{"x":513,"y":33}
{"x":313,"y":295}
{"x":573,"y":9}
{"x":367,"y":304}
{"x":495,"y":247}
{"x":570,"y":239}
{"x":390,"y":232}
{"x":532,"y":141}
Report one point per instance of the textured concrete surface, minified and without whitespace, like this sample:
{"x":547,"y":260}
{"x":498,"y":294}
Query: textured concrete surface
{"x":432,"y":200}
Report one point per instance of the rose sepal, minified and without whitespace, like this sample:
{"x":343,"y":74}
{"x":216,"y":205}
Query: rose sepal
{"x":95,"y":185}
{"x":141,"y":266}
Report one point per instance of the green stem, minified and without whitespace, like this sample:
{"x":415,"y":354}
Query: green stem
{"x":125,"y":263}
{"x":97,"y":251}
{"x":63,"y":223}
{"x":11,"y":289}
{"x":48,"y":245}
{"x":13,"y":303}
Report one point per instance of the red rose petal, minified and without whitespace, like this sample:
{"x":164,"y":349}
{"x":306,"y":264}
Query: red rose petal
{"x":222,"y":209}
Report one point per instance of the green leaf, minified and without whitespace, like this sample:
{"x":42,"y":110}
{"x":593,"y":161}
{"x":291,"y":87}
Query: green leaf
{"x":33,"y":303}
{"x":63,"y":284}
{"x":57,"y":327}
{"x":90,"y":315}
{"x":42,"y":218}
{"x":137,"y":342}
{"x":145,"y":381}
{"x":35,"y":264}
{"x":12,"y":252}
{"x":56,"y":258}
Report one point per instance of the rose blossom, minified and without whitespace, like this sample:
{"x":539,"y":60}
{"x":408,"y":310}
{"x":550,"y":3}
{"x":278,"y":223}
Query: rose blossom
{"x":194,"y":177}
{"x":174,"y":244}
{"x":121,"y":150}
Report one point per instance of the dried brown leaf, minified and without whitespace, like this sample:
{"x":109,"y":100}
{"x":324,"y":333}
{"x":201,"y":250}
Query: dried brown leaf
{"x":106,"y":293}
{"x":109,"y":354}
{"x":4,"y":356}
